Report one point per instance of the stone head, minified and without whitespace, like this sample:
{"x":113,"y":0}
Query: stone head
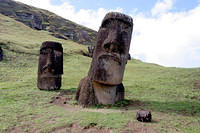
{"x":50,"y":66}
{"x":112,"y":48}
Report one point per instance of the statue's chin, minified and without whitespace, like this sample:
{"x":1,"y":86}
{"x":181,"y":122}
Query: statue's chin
{"x":49,"y":83}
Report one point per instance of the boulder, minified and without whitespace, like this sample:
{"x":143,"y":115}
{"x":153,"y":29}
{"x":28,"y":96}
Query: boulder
{"x":144,"y":116}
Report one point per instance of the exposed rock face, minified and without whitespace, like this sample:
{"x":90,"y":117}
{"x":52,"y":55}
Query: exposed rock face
{"x":1,"y":54}
{"x":103,"y":85}
{"x":50,"y":67}
{"x":144,"y":116}
{"x":31,"y":20}
{"x":44,"y":20}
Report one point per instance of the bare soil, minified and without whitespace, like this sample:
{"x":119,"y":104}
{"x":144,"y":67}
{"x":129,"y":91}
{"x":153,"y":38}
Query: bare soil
{"x":132,"y":127}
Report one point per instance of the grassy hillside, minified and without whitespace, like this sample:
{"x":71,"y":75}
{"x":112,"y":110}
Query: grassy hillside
{"x":171,"y":94}
{"x":40,"y":19}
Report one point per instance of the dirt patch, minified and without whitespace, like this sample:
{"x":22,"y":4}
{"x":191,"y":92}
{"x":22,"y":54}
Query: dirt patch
{"x":132,"y":127}
{"x":75,"y":128}
{"x":66,"y":100}
{"x":26,"y":125}
{"x":138,"y":127}
{"x":20,"y":129}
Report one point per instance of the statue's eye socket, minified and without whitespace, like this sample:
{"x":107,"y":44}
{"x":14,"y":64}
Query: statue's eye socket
{"x":106,"y":24}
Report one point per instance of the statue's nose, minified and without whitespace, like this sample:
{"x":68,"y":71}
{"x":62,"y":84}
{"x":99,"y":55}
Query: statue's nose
{"x":50,"y":58}
{"x":114,"y":34}
{"x":112,"y":43}
{"x":50,"y":62}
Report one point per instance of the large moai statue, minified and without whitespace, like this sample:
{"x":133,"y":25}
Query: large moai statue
{"x":1,"y":54}
{"x":103,"y":85}
{"x":50,"y":67}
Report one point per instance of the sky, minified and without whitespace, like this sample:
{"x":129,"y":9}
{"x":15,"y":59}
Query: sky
{"x":165,"y":32}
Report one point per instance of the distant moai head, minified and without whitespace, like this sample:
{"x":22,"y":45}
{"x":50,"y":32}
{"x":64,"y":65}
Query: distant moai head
{"x":112,"y":48}
{"x":1,"y":54}
{"x":50,"y":67}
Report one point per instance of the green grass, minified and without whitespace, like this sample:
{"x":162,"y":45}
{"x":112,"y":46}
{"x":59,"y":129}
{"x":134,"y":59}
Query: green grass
{"x":167,"y":92}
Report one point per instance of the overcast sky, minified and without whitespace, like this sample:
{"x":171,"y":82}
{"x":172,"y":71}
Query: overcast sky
{"x":165,"y":32}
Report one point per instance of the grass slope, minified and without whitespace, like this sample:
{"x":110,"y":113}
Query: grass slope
{"x":172,"y":94}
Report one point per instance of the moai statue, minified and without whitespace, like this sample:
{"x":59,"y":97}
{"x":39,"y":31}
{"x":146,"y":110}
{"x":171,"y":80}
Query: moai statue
{"x":50,"y":67}
{"x":103,"y":85}
{"x":1,"y":54}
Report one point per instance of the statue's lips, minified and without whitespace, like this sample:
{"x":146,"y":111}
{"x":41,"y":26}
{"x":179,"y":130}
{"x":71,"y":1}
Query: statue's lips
{"x":49,"y":72}
{"x":49,"y":75}
{"x":111,"y":56}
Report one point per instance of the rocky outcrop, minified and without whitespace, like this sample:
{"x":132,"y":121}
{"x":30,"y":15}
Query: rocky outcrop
{"x":31,"y":20}
{"x":44,"y":20}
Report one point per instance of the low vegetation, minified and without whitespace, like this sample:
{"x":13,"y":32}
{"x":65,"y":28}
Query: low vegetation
{"x":171,"y":94}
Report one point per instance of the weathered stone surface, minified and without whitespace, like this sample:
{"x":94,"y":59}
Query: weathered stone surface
{"x":50,"y":67}
{"x":1,"y":54}
{"x":110,"y":55}
{"x":32,"y":20}
{"x":108,"y":94}
{"x":85,"y":94}
{"x":144,"y":116}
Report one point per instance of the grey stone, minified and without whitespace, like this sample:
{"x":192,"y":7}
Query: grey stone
{"x":144,"y":116}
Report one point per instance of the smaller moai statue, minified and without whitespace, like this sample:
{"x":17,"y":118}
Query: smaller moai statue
{"x":50,"y":66}
{"x":1,"y":54}
{"x":103,"y":84}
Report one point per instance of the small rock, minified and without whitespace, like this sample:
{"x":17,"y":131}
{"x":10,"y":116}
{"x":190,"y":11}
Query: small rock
{"x":143,"y":116}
